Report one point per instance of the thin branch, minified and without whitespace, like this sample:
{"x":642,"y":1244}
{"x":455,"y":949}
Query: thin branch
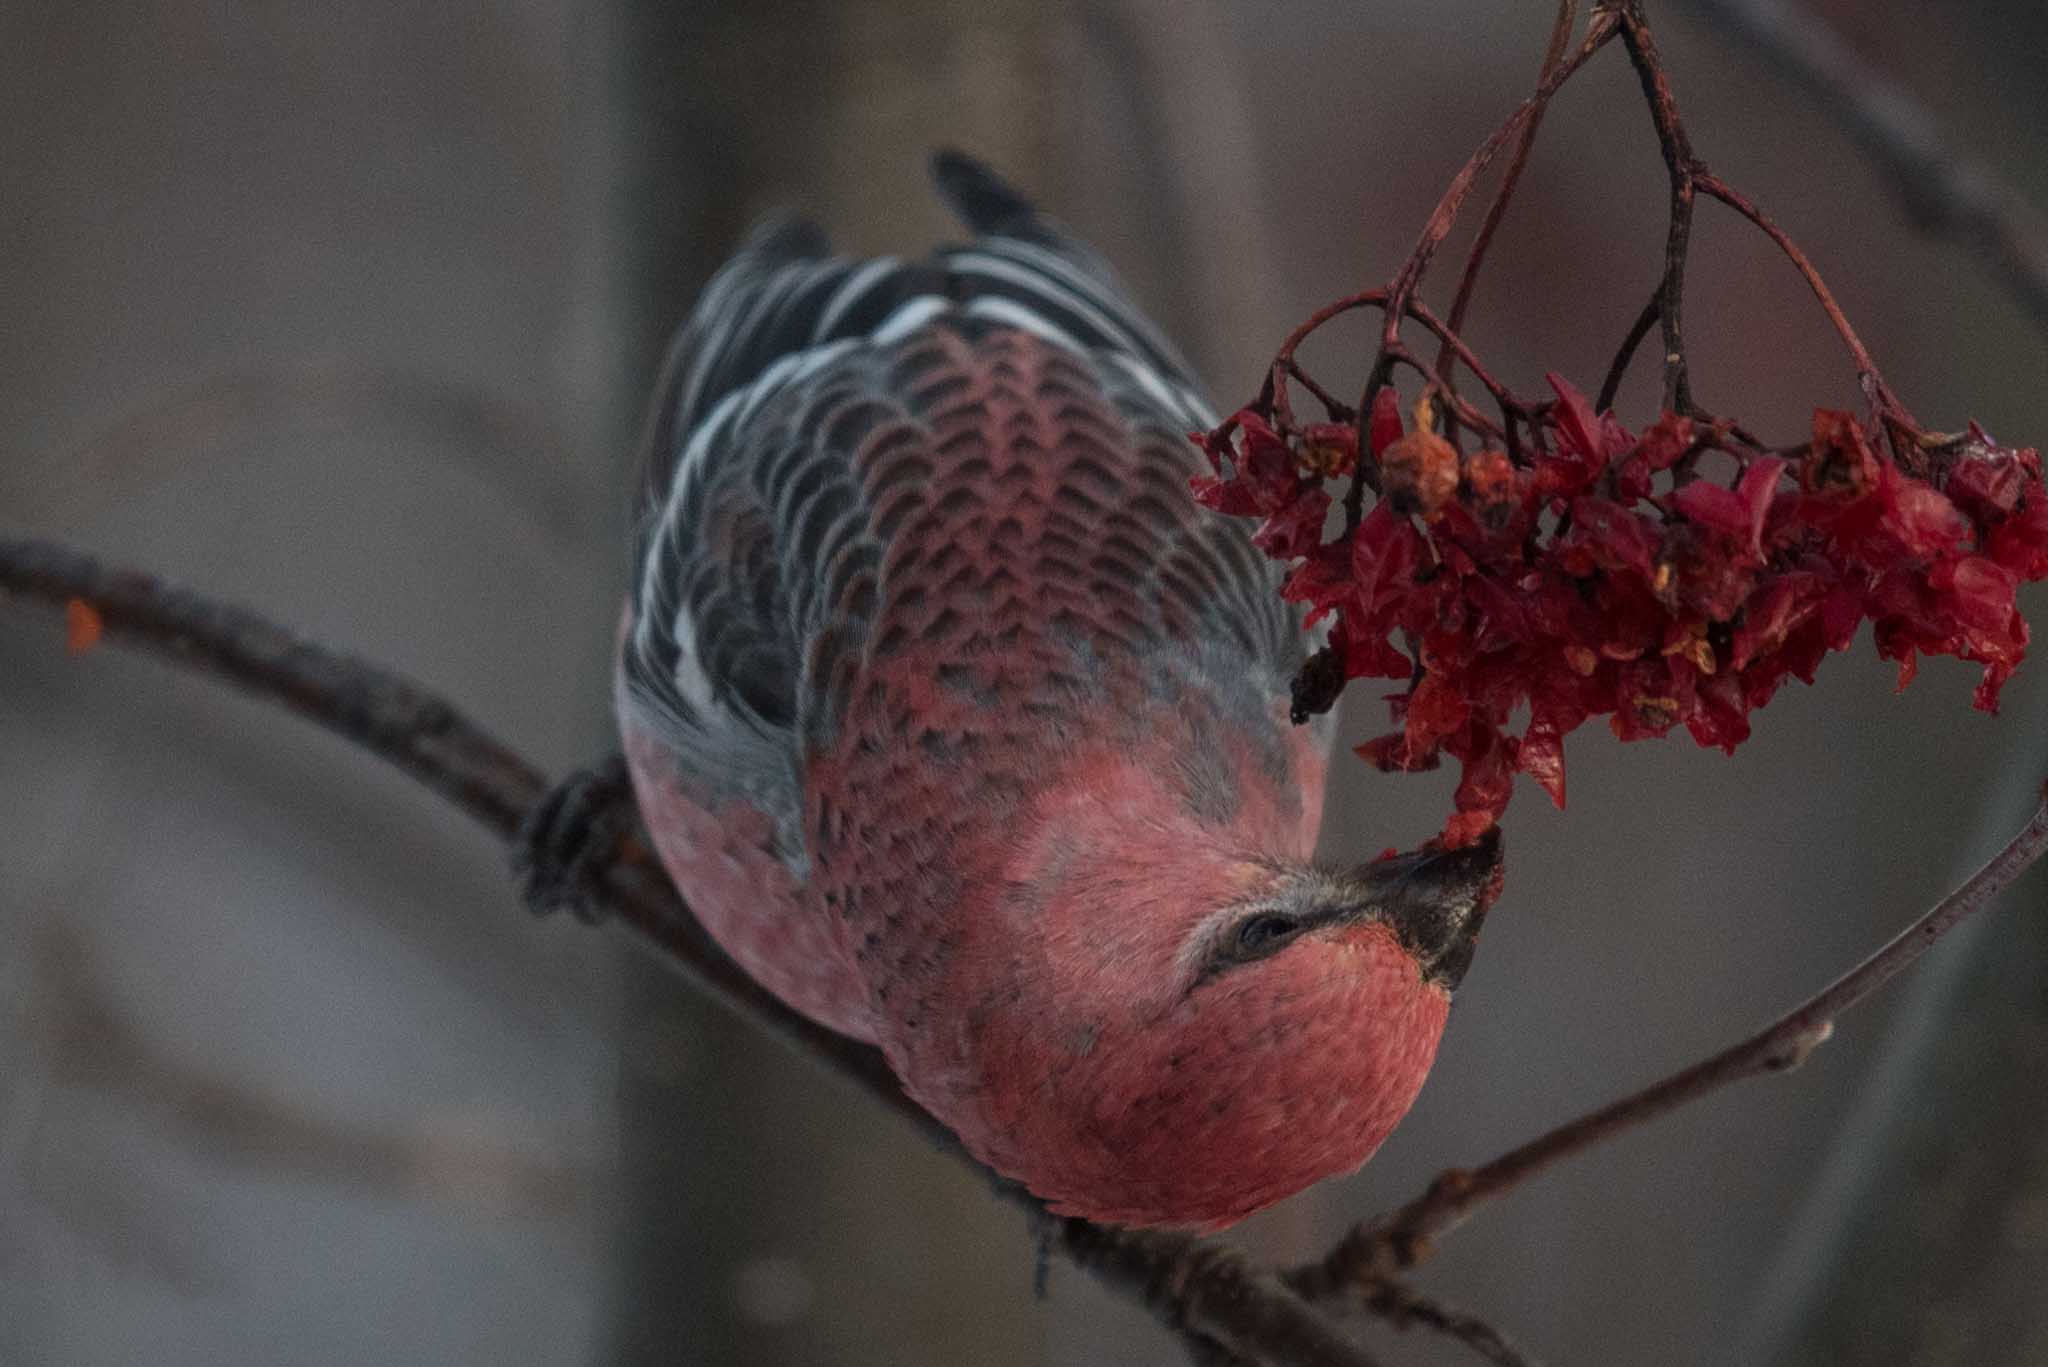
{"x":1199,"y":1288}
{"x":1683,"y":169}
{"x":1882,"y":400}
{"x":1400,"y":292}
{"x":1560,"y":39}
{"x":1510,"y":406}
{"x":1403,"y":1237}
{"x":1404,"y":1307}
{"x":1689,"y":178}
{"x":1617,"y":370}
{"x":1275,"y":400}
{"x":1445,"y":215}
{"x":385,"y":714}
{"x":1336,"y":408}
{"x":1207,"y":1290}
{"x":1946,"y":192}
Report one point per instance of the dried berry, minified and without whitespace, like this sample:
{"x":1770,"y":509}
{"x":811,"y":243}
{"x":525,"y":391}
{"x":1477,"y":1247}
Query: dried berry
{"x":1603,"y":575}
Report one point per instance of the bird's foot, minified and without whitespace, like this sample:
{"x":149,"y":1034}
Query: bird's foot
{"x":568,"y":837}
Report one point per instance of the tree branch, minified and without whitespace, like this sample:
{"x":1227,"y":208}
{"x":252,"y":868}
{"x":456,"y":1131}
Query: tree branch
{"x":1197,"y":1287}
{"x":1403,"y":1307}
{"x":1946,"y":192}
{"x":1681,"y":166}
{"x":1401,"y":290}
{"x":1402,"y":1237}
{"x":1468,"y":282}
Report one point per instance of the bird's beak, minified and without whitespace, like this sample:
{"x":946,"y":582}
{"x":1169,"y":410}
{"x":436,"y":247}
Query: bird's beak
{"x":1435,"y":900}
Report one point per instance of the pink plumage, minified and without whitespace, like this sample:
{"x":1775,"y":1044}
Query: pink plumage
{"x":964,"y":729}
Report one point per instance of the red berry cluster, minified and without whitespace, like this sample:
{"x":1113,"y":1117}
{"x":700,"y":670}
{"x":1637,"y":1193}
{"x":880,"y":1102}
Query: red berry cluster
{"x":1608,"y":574}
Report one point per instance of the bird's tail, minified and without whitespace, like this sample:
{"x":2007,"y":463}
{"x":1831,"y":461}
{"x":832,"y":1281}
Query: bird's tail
{"x":981,"y":199}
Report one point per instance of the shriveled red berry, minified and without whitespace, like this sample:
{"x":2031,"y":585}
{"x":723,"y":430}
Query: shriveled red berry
{"x":1606,"y":574}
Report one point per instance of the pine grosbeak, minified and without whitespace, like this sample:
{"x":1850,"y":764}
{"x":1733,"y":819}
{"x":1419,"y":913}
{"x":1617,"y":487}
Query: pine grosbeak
{"x":964,"y":729}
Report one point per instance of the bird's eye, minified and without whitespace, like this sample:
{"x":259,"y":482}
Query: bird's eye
{"x":1264,"y":933}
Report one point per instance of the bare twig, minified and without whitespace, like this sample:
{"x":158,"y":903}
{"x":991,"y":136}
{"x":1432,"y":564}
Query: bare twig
{"x":1690,"y":178}
{"x":1617,"y":369}
{"x":1946,"y":192}
{"x":1200,"y":1288}
{"x":1683,"y":168}
{"x":1274,"y":398}
{"x":1400,"y":291}
{"x":1560,"y":39}
{"x":1403,"y":1307}
{"x":1882,"y":401}
{"x":1445,"y":215}
{"x":1403,"y":1236}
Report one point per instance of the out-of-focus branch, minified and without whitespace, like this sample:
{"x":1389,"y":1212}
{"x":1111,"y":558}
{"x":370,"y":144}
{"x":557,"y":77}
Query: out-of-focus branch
{"x":1200,"y":1288}
{"x":1946,"y":192}
{"x":1402,"y":1237}
{"x":90,"y":1039}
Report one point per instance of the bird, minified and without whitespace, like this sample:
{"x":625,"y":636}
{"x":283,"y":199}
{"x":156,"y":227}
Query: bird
{"x":964,"y":730}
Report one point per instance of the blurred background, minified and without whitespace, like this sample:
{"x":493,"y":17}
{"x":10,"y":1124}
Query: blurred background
{"x":348,"y":311}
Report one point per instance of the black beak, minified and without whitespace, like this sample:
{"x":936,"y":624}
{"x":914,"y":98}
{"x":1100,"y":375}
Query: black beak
{"x":1435,"y":900}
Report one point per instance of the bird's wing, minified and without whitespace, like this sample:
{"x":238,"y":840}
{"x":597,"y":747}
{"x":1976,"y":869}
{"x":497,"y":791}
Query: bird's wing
{"x":759,"y":547}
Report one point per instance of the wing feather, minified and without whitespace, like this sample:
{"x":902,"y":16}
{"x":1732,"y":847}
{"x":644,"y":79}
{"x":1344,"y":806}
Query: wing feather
{"x":793,"y":440}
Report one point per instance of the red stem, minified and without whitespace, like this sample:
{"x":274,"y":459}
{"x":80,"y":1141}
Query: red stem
{"x":1468,"y":281}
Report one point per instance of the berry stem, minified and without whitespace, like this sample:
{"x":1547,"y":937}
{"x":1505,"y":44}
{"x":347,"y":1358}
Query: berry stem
{"x":1400,"y":292}
{"x":1690,"y":178}
{"x":1560,"y":39}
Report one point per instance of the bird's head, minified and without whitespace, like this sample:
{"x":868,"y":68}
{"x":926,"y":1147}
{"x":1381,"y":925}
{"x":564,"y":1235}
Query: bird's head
{"x":1209,"y":1035}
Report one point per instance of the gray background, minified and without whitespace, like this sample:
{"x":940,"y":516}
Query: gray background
{"x":348,"y":310}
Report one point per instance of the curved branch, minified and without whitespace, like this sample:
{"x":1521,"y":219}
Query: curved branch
{"x":380,"y":711}
{"x":1946,"y":193}
{"x":1402,"y":1237}
{"x":1400,"y":291}
{"x":1879,"y":394}
{"x":1403,"y":1307}
{"x":1617,"y":369}
{"x":1468,"y":282}
{"x":1690,"y":178}
{"x":1683,"y":170}
{"x":1273,"y":396}
{"x":1199,"y":1288}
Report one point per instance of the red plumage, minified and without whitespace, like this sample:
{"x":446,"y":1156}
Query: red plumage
{"x":964,"y":729}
